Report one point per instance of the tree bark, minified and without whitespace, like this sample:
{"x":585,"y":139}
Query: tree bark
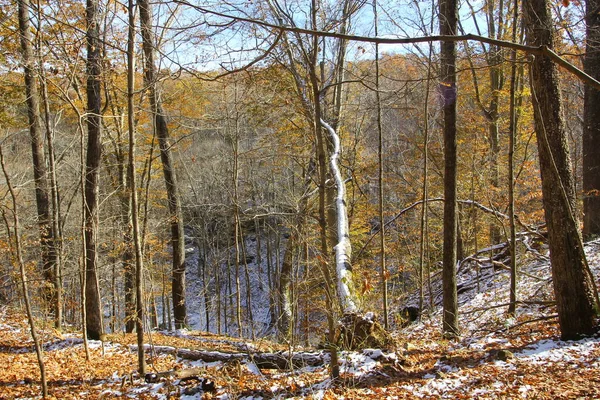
{"x":448,"y":23}
{"x":57,"y":237}
{"x":512,"y":134}
{"x":572,"y":284}
{"x":173,"y":198}
{"x":93,"y":155}
{"x":591,"y":124}
{"x":380,"y":180}
{"x":132,"y":179}
{"x":47,"y":245}
{"x":343,"y":248}
{"x":496,"y":83}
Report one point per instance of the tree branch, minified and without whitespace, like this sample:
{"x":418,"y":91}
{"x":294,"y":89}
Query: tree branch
{"x":534,"y":50}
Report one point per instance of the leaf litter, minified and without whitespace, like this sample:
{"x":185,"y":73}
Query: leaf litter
{"x":520,"y":357}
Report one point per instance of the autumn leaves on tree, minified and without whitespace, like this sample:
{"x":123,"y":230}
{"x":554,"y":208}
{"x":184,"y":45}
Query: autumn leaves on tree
{"x":288,"y":140}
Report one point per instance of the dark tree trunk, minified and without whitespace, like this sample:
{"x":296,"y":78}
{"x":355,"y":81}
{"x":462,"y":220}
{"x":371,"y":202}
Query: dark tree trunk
{"x":591,"y":125}
{"x":47,"y":245}
{"x":93,"y":155}
{"x":572,"y":284}
{"x":448,"y":22}
{"x":174,"y":201}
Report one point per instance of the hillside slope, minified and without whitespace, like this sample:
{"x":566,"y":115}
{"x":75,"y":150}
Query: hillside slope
{"x":496,"y":357}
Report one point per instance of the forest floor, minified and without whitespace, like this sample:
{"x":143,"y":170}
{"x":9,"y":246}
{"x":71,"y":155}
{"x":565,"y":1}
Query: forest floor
{"x":497,"y":357}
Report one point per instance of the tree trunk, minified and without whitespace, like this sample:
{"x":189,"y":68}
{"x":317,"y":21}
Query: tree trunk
{"x":132,"y":179}
{"x":512,"y":134}
{"x":49,"y":255}
{"x":270,"y":280}
{"x":236,"y":233}
{"x":19,"y":258}
{"x":57,"y":237}
{"x":343,"y":248}
{"x":248,"y":283}
{"x":448,"y":22}
{"x":128,"y":273}
{"x":496,"y":83}
{"x":572,"y":284}
{"x":284,"y":294}
{"x":380,"y":182}
{"x":92,"y":173}
{"x":205,"y":283}
{"x":591,"y":125}
{"x":173,"y":198}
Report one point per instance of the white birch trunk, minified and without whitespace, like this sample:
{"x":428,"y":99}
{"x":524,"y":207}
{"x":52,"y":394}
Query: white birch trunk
{"x":343,"y":248}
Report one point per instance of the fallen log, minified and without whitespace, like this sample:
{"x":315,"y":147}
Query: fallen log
{"x":278,"y":360}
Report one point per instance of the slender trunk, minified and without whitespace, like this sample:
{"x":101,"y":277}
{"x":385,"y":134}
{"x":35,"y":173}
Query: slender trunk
{"x":272,"y":307}
{"x":307,"y":309}
{"x":512,"y":132}
{"x":448,"y":22}
{"x":573,"y":287}
{"x":248,"y":284}
{"x":258,"y":248}
{"x":205,"y":283}
{"x":228,"y":291}
{"x":218,"y":294}
{"x":139,"y":261}
{"x":92,"y":172}
{"x":424,"y":190}
{"x":496,"y":83}
{"x":54,"y":194}
{"x":163,"y":296}
{"x":24,"y":286}
{"x":128,"y":253}
{"x":129,"y":277}
{"x":383,"y":267}
{"x":40,"y":172}
{"x":236,"y":235}
{"x":82,"y":258}
{"x":173,"y":198}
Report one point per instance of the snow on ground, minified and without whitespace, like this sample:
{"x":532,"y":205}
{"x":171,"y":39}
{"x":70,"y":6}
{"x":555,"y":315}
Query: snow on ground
{"x":259,"y":288}
{"x":486,"y":328}
{"x":485,"y":332}
{"x":496,"y":357}
{"x":469,"y":368}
